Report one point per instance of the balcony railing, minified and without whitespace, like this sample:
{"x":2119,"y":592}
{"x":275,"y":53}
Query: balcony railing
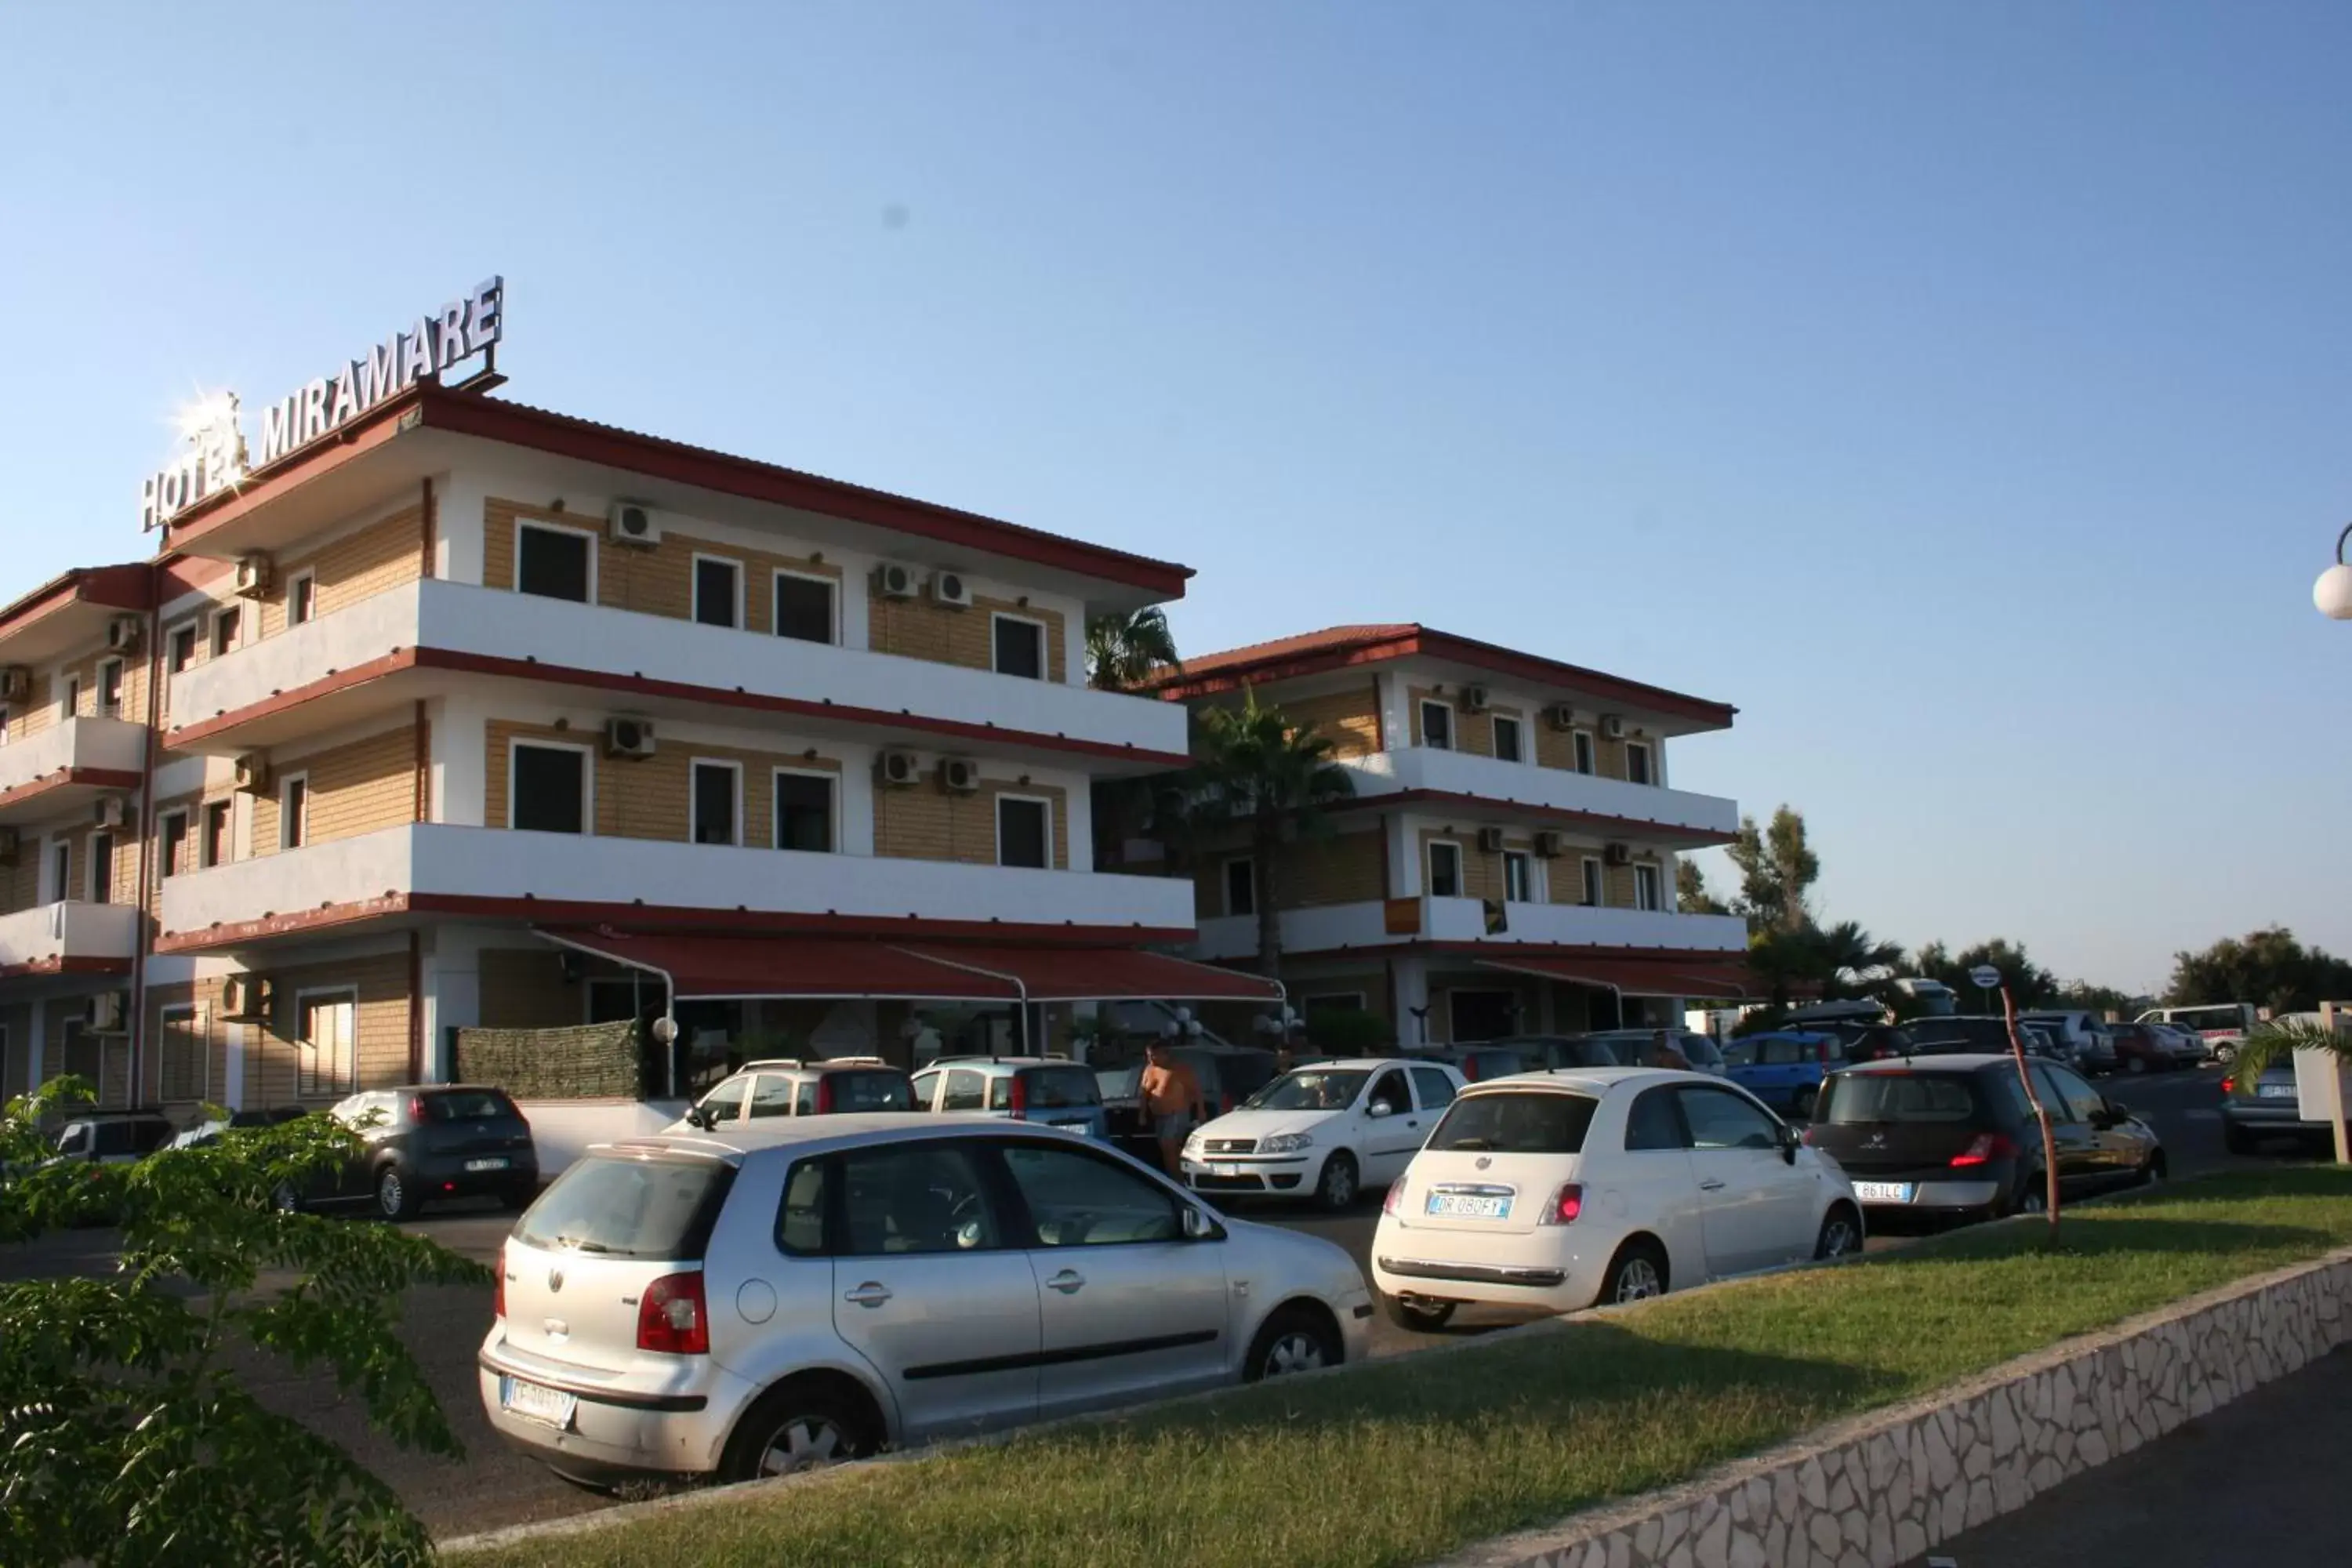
{"x":506,"y":867}
{"x":48,"y":935}
{"x":88,"y":745}
{"x":1489,"y":778}
{"x":1328,"y":927}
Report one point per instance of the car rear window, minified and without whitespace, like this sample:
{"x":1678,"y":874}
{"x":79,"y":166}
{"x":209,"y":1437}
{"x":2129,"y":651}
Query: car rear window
{"x":623,"y":1206}
{"x":871,"y":1092}
{"x":1531,"y":1122}
{"x":1870,"y":1098}
{"x":1055,"y":1088}
{"x":467,"y":1105}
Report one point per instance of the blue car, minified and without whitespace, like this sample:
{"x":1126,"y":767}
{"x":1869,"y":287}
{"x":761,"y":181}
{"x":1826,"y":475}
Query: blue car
{"x":1784,"y":1068}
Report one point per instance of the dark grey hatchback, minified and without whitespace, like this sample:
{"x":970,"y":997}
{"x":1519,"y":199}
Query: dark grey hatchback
{"x":425,"y":1143}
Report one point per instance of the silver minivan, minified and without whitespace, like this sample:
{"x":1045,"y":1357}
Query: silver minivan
{"x":800,"y":1290}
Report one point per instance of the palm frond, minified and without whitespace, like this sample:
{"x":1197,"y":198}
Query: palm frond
{"x":2274,"y":1045}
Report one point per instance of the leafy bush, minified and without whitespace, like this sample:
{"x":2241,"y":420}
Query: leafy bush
{"x":1348,"y":1031}
{"x":125,"y":1437}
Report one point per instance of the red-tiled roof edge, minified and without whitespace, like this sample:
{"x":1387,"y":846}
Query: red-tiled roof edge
{"x":1314,"y":653}
{"x":567,"y":435}
{"x":126,"y":586}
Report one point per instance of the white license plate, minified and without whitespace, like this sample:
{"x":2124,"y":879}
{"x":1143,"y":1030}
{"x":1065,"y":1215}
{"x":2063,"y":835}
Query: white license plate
{"x":2274,"y":1091}
{"x":1074,"y":1126}
{"x":535,"y":1403}
{"x":497,"y":1163}
{"x":1224,"y":1170}
{"x":1882,"y":1192}
{"x":1469,"y":1205}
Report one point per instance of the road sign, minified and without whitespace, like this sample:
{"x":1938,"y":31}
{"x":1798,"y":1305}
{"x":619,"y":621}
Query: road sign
{"x":1985,"y":977}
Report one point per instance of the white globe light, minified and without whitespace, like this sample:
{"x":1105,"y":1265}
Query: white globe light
{"x":2333,"y":593}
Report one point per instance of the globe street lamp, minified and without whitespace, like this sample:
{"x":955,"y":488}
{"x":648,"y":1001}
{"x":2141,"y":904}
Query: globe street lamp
{"x":2333,"y":592}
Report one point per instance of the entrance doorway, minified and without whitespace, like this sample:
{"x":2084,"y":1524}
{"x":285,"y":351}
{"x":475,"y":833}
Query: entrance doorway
{"x":1482,"y":1015}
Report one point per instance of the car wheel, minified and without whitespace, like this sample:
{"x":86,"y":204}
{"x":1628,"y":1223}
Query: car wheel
{"x":1294,"y":1340}
{"x":799,"y":1427}
{"x":1841,"y":1234}
{"x":285,"y":1200}
{"x":1637,"y":1273}
{"x":2032,"y":1194}
{"x":1800,"y":1105}
{"x":394,"y":1198}
{"x":2152,"y":1173}
{"x":1335,"y":1189}
{"x":1422,"y":1317}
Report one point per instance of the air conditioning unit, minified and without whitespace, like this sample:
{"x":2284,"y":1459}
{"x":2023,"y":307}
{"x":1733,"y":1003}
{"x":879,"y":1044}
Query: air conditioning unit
{"x":1618,"y":855}
{"x":246,"y":996}
{"x":1490,"y":841}
{"x":948,"y":588}
{"x":105,"y":1013}
{"x":1549,"y":845}
{"x":252,"y":576}
{"x":895,"y":581}
{"x":898,"y":770}
{"x":124,"y":634}
{"x":1613,"y":726}
{"x":959,"y":775}
{"x":10,"y":845}
{"x":16,"y":683}
{"x":634,"y":524}
{"x":1473,"y":700}
{"x":253,"y":773}
{"x":111,"y":811}
{"x":628,"y":738}
{"x":1560,"y":716}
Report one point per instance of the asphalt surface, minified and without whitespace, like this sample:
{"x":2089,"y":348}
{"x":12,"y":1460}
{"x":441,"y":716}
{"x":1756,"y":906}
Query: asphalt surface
{"x":493,"y":1487}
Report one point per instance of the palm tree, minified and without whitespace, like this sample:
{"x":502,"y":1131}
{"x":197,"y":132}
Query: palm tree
{"x":1125,"y":651}
{"x":1256,"y":767}
{"x":1847,"y":957}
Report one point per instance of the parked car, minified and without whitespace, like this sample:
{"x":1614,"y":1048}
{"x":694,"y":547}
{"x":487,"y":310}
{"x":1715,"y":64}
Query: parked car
{"x":1326,"y":1132}
{"x":2261,"y":1110}
{"x":2084,"y":1033}
{"x":425,"y":1143}
{"x":790,"y":1292}
{"x":1979,"y":1034}
{"x":1784,"y":1068}
{"x":1954,"y":1137}
{"x":1487,"y":1059}
{"x":1633,"y":1047}
{"x":1227,"y":1074}
{"x":204,"y":1134}
{"x":2223,"y":1027}
{"x":2188,"y":1046}
{"x":1050,"y":1090}
{"x":1560,"y":1189}
{"x":790,"y":1086}
{"x":2143,"y":1047}
{"x":113,"y":1137}
{"x":1544,"y":1052}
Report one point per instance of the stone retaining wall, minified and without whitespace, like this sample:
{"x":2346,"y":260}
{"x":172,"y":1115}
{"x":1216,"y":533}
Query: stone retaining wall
{"x":1882,"y":1489}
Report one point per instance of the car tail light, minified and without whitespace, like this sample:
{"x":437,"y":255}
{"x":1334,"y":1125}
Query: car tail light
{"x":1988,"y":1146}
{"x":1394,"y":1199}
{"x":672,"y":1318}
{"x":499,"y":1288}
{"x":1020,"y":1101}
{"x":824,"y":1095}
{"x":1469,"y":1069}
{"x":1565,"y":1206}
{"x":417,"y":1107}
{"x":1806,"y":1137}
{"x":2229,"y":1084}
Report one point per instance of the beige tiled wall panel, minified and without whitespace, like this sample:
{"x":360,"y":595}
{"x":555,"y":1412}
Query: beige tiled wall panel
{"x":525,"y":989}
{"x":922,"y":822}
{"x":918,"y":628}
{"x":274,"y":1055}
{"x":659,"y":580}
{"x":377,"y":558}
{"x":652,"y":797}
{"x":355,"y":789}
{"x":1351,"y":720}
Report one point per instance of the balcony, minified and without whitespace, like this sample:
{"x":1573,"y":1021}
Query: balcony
{"x":52,"y":772}
{"x":418,"y":639}
{"x":1366,"y":925}
{"x":51,"y":938}
{"x":494,"y":874}
{"x":1681,"y":816}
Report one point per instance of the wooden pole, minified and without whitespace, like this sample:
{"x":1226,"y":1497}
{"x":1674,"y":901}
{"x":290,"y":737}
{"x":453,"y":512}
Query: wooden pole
{"x":2041,"y":1114}
{"x":2335,"y":1088}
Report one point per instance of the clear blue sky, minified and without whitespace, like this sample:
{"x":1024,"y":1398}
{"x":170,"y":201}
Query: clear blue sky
{"x":1960,"y":390}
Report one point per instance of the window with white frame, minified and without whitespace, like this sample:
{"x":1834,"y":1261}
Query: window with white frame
{"x":101,"y":868}
{"x":218,"y":847}
{"x":1582,"y":742}
{"x":1241,"y":886}
{"x":718,"y":591}
{"x":228,"y":629}
{"x":1647,"y":894}
{"x":301,"y":598}
{"x":806,"y":811}
{"x":4,"y":723}
{"x":807,"y":607}
{"x":110,"y":688}
{"x":1437,"y":724}
{"x":1637,"y":762}
{"x":1595,"y":882}
{"x":718,"y":797}
{"x":1519,"y":876}
{"x":1020,"y":645}
{"x":182,"y":1058}
{"x":1024,"y":831}
{"x":69,"y":695}
{"x":293,"y":811}
{"x":1444,"y":869}
{"x":172,"y":843}
{"x":327,"y":1029}
{"x":60,"y":870}
{"x":548,"y":788}
{"x":1508,"y":747}
{"x":555,"y":563}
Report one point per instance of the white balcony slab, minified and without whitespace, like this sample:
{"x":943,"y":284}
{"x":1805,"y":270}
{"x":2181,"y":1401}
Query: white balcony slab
{"x":489,"y":863}
{"x":105,"y":745}
{"x":1328,"y":927}
{"x":521,"y":628}
{"x":50,"y":934}
{"x":1487,"y":778}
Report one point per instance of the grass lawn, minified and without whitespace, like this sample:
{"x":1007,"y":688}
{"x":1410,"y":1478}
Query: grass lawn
{"x":1404,"y":1460}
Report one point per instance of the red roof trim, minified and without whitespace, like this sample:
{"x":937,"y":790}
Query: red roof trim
{"x":119,"y":587}
{"x":100,"y":778}
{"x":68,"y":964}
{"x":1638,"y":826}
{"x":568,"y":435}
{"x":603,"y":680}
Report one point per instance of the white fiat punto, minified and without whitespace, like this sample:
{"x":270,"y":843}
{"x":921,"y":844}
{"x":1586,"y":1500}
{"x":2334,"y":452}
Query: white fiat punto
{"x":1559,"y":1190}
{"x":1327,"y":1131}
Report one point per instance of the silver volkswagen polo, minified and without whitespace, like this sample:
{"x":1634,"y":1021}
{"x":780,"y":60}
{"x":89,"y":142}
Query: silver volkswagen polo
{"x":804,"y":1291}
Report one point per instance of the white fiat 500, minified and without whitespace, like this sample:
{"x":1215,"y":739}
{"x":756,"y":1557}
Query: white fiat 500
{"x":1559,"y":1190}
{"x":1326,"y":1132}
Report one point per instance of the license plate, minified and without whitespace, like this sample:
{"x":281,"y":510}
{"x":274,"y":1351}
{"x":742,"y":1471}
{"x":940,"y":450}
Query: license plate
{"x":1074,"y":1126}
{"x":1469,"y":1205}
{"x":1224,"y":1170}
{"x":2274,"y":1091}
{"x":499,"y":1163}
{"x":535,"y":1403}
{"x":1882,"y":1192}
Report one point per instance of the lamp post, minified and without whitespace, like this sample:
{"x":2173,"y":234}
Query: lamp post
{"x":2333,"y":593}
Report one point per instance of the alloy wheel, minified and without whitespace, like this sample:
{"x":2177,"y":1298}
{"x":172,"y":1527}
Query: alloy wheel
{"x":285,"y":1200}
{"x":1296,"y":1350}
{"x":389,"y":1194}
{"x":803,"y":1443}
{"x":1339,"y":1182}
{"x":1637,"y":1280}
{"x":1837,"y":1236}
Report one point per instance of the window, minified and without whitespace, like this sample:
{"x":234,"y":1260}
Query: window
{"x":715,"y":820}
{"x":1331,"y":1002}
{"x":1445,"y":870}
{"x":800,"y":1219}
{"x":913,"y":1198}
{"x":1858,"y":1098}
{"x":725,"y":1103}
{"x":329,"y":1028}
{"x":181,"y":649}
{"x":4,"y":723}
{"x":2077,"y":1101}
{"x":718,"y":591}
{"x":804,"y":812}
{"x":1024,"y":835}
{"x":301,"y":598}
{"x":548,"y":792}
{"x":1645,"y":888}
{"x":216,"y":849}
{"x":804,"y":607}
{"x":1506,"y":739}
{"x":109,"y":687}
{"x":293,"y":811}
{"x":1240,"y":886}
{"x":1594,"y":889}
{"x":69,"y":695}
{"x":621,"y":1207}
{"x":771,"y":1095}
{"x":172,"y":829}
{"x":1721,"y":1119}
{"x":554,"y":563}
{"x":1434,"y":1087}
{"x":1076,"y":1199}
{"x":1390,"y":1087}
{"x":101,"y":867}
{"x":1637,"y":762}
{"x":1519,"y":876}
{"x":1020,"y":647}
{"x":1533,"y":1121}
{"x":1582,"y":740}
{"x":61,"y":871}
{"x":228,"y":629}
{"x":1437,"y":726}
{"x":182,"y":1056}
{"x":965,"y":1090}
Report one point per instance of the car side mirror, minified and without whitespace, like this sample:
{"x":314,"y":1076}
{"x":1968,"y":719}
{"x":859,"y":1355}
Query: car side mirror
{"x":1200,"y":1226}
{"x":697,"y":1117}
{"x":1379,"y":1109}
{"x":1789,"y":1141}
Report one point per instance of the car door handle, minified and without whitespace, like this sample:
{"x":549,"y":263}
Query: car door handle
{"x":1712,"y":1184}
{"x":1069,"y":1282}
{"x":870,"y":1294}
